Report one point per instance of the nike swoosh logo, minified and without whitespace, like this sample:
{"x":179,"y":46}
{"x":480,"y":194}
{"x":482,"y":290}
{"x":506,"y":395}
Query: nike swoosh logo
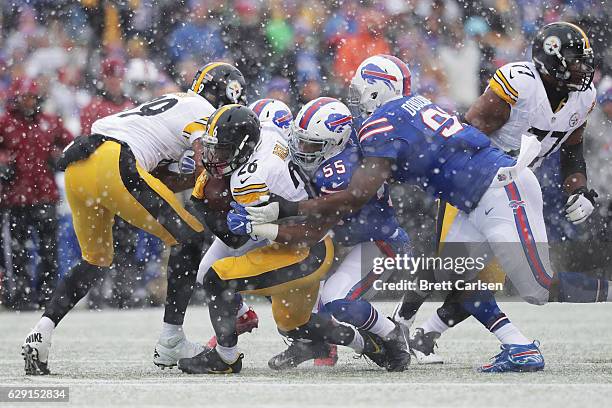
{"x":244,"y":181}
{"x":336,"y":185}
{"x":241,"y":224}
{"x":488,"y":211}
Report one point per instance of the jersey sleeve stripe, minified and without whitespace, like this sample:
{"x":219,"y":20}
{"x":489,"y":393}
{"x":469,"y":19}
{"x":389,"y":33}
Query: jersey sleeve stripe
{"x":373,"y":132}
{"x":498,"y":88}
{"x":250,"y":187}
{"x":374,"y":122}
{"x":509,"y":88}
{"x":251,"y":197}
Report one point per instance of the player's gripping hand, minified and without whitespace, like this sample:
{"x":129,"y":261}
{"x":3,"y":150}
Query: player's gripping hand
{"x":237,"y":221}
{"x":275,"y":207}
{"x":185,"y":165}
{"x":580,"y":205}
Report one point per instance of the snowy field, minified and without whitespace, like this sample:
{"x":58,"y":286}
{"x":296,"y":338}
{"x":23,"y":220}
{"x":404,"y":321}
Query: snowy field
{"x":105,"y":359}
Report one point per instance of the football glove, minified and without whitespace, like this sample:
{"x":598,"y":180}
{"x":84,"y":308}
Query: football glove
{"x":237,"y":221}
{"x":580,"y":205}
{"x":275,"y":207}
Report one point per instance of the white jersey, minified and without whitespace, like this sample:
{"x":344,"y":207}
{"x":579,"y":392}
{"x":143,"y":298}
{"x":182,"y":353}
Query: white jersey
{"x":520,"y":85}
{"x":269,"y":170}
{"x":158,"y":130}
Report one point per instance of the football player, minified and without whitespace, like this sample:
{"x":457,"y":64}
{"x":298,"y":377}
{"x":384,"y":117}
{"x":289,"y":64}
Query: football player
{"x":551,"y":98}
{"x":321,"y":143}
{"x":185,"y":262}
{"x":110,"y":173}
{"x":289,"y":275}
{"x":409,"y":139}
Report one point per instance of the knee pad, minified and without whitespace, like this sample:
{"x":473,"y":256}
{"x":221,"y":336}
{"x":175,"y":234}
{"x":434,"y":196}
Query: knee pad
{"x":354,"y":312}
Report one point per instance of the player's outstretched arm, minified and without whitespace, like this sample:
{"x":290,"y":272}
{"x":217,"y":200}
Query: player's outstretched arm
{"x":365,"y":182}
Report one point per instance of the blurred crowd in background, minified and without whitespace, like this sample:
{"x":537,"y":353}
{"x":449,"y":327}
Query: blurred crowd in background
{"x":64,"y":64}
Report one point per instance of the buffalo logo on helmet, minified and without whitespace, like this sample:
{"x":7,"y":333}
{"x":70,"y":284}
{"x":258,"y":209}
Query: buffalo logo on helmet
{"x":337,"y":121}
{"x":282,"y":119}
{"x":552,"y":45}
{"x":233,"y":90}
{"x":372,"y":73}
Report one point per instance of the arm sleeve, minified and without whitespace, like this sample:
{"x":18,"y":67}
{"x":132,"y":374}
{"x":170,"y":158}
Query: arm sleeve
{"x":572,"y":160}
{"x":193,"y":130}
{"x":513,"y":83}
{"x":250,"y":183}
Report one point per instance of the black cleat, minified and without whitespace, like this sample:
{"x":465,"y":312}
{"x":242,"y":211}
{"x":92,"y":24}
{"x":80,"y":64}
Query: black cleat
{"x":397,"y":349}
{"x":374,"y":348}
{"x":297,"y":353}
{"x":33,"y":366}
{"x":422,"y":347}
{"x":209,"y":362}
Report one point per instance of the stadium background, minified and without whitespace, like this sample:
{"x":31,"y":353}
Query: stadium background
{"x":91,"y":55}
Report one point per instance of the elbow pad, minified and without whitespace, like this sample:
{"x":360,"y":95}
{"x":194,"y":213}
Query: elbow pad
{"x":572,"y":160}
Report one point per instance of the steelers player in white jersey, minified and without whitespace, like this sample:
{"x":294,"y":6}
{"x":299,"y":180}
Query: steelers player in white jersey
{"x":549,"y":97}
{"x":268,"y":170}
{"x":108,"y":173}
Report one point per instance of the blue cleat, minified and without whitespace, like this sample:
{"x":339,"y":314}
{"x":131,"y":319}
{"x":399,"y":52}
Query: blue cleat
{"x":516,"y":358}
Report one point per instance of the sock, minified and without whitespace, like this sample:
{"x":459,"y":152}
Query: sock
{"x":183,"y":267}
{"x":72,"y":288}
{"x":451,"y":312}
{"x":243,"y":306}
{"x":357,"y":343}
{"x":509,"y":334}
{"x":228,"y":354}
{"x":170,"y":330}
{"x":45,"y":326}
{"x":434,"y":323}
{"x":482,"y":305}
{"x":358,"y":313}
{"x":577,"y":287}
{"x":382,"y":327}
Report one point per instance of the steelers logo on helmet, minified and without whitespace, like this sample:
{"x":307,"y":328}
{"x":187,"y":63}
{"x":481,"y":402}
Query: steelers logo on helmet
{"x":220,"y":84}
{"x":232,"y":135}
{"x":233,"y":91}
{"x":552,"y":45}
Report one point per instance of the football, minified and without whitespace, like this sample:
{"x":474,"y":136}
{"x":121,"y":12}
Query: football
{"x":217,"y":193}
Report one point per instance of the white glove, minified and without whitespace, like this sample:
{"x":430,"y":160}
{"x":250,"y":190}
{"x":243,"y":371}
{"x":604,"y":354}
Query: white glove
{"x":580,"y":206}
{"x":264,"y":213}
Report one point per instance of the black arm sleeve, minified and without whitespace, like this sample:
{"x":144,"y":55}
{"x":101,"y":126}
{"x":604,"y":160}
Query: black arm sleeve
{"x":216,"y":223}
{"x":572,"y":160}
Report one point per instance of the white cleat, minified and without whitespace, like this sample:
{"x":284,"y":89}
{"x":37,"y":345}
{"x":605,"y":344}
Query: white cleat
{"x":423,"y":345}
{"x":405,"y":323}
{"x":35,"y":352}
{"x":170,"y":350}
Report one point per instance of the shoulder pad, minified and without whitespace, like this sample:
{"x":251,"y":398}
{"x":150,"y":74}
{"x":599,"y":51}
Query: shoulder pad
{"x":513,"y":82}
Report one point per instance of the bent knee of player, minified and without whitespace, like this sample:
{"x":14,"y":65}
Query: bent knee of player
{"x":288,"y":319}
{"x":102,"y":257}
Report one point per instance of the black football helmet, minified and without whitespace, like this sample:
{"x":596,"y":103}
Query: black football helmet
{"x":563,"y":51}
{"x":220,"y":84}
{"x":230,"y":139}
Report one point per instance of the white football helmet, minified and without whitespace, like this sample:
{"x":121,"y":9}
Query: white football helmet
{"x":378,"y":79}
{"x":275,"y":112}
{"x":320,"y":131}
{"x":141,"y":79}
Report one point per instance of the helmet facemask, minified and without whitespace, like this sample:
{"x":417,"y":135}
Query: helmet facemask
{"x":307,"y":152}
{"x":222,"y":159}
{"x":581,"y":71}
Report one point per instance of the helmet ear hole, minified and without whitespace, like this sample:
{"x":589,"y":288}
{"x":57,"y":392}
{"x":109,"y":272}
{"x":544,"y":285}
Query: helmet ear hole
{"x":374,"y":95}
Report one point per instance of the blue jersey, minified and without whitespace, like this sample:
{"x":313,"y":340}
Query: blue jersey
{"x":376,"y":220}
{"x":432,"y":149}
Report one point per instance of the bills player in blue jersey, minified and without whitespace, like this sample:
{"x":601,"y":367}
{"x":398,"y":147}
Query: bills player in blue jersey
{"x":323,"y":144}
{"x":408,"y":139}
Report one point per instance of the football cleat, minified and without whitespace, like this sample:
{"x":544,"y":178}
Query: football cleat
{"x":330,"y":360}
{"x":397,"y":349}
{"x":374,"y":348}
{"x":297,"y":353}
{"x":422,"y":347}
{"x":245,"y":323}
{"x":35,"y":352}
{"x":516,"y":358}
{"x":169,"y":351}
{"x":209,"y":362}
